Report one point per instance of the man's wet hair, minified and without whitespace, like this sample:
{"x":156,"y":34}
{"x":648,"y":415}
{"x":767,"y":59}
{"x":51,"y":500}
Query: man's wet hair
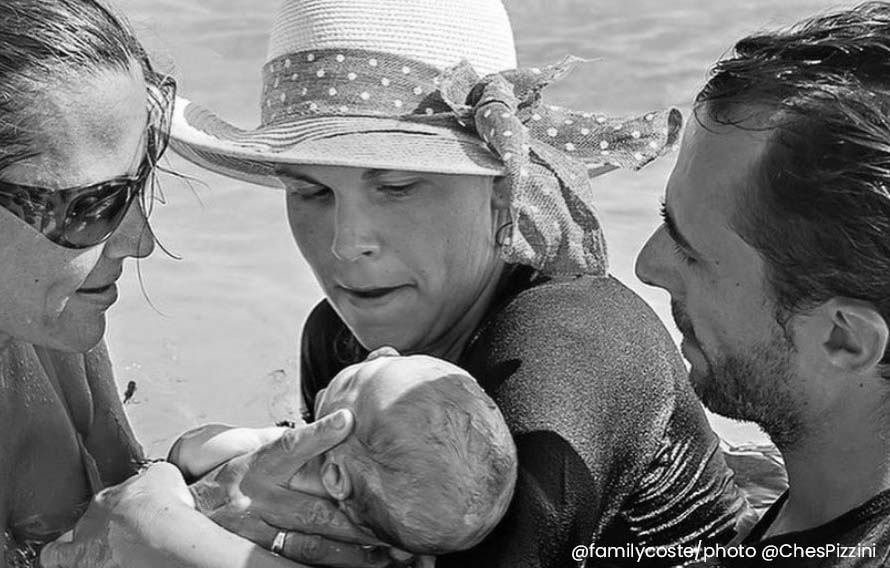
{"x":46,"y":42}
{"x":818,"y":207}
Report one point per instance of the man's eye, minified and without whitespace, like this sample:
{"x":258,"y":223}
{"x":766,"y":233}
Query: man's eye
{"x":682,"y":254}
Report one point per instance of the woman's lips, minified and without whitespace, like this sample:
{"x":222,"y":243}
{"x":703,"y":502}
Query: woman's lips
{"x":97,"y":290}
{"x":100,"y":295}
{"x":371,"y":296}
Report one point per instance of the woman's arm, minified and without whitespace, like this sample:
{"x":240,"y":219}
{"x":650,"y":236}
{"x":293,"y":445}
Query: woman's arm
{"x":148,"y":521}
{"x":152,"y":519}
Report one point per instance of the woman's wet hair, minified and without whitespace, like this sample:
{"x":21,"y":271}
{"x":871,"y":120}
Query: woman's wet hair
{"x":46,"y":42}
{"x":818,"y":207}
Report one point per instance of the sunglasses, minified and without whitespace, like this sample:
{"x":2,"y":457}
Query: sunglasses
{"x":83,"y":217}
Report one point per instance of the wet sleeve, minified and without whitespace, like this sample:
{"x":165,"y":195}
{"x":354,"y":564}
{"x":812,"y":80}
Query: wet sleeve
{"x":585,"y":380}
{"x":688,"y":494}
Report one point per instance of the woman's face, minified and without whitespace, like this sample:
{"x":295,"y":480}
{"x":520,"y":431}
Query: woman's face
{"x":402,"y":256}
{"x":90,"y":129}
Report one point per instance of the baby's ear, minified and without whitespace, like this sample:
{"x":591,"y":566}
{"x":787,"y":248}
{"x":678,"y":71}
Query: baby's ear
{"x":335,"y":479}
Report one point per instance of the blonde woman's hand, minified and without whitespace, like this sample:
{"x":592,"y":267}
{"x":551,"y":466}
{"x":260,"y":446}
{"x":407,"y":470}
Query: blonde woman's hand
{"x":125,"y":525}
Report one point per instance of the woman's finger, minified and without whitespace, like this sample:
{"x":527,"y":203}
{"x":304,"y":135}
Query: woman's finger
{"x":425,"y":562}
{"x":318,"y":550}
{"x":298,"y":445}
{"x":58,"y":555}
{"x":309,"y":514}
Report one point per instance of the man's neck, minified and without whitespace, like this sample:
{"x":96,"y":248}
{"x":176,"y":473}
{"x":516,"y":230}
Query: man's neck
{"x":841,"y":465}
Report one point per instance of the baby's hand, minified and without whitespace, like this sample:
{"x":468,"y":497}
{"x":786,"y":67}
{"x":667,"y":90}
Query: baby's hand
{"x":201,"y":449}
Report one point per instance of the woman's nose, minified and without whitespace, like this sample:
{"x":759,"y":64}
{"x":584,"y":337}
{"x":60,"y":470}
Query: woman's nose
{"x":355,"y":233}
{"x":133,"y":237}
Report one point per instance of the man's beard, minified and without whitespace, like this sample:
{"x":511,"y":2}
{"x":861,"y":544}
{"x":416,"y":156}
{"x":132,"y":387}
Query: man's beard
{"x":754,"y":385}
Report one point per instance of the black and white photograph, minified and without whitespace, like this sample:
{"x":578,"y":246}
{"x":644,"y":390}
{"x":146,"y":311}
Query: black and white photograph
{"x":444,"y":283}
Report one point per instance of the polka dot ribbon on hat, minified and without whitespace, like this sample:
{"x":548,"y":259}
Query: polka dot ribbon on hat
{"x":550,"y":154}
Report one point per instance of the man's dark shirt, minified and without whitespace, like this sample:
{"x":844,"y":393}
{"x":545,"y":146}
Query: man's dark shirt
{"x":613,"y":445}
{"x":856,"y":539}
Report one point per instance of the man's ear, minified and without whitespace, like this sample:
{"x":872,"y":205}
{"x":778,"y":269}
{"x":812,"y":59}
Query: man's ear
{"x":335,"y":479}
{"x":858,"y":336}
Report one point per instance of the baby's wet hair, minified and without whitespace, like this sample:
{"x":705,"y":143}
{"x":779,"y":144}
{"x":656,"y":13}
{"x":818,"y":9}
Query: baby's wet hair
{"x":444,"y":444}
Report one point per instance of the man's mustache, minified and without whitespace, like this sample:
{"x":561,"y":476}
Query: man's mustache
{"x":681,"y":318}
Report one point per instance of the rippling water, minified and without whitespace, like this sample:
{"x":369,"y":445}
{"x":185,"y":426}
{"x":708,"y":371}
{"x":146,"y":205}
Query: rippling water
{"x":218,"y":339}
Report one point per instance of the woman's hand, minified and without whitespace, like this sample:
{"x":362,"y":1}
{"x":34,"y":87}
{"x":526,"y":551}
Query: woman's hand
{"x":124,"y":524}
{"x":150,"y":520}
{"x":249,"y":496}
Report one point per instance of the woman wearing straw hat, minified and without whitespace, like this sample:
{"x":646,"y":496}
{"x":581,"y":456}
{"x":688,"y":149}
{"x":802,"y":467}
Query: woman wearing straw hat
{"x":445,"y":210}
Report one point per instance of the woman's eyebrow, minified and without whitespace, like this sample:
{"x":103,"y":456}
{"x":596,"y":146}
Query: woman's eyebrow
{"x":282,"y":170}
{"x":374,"y":174}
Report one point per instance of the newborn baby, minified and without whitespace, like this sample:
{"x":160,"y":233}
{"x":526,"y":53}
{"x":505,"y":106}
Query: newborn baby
{"x":430,"y":467}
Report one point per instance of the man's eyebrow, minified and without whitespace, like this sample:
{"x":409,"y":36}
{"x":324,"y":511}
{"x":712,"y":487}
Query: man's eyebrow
{"x":674,"y":232}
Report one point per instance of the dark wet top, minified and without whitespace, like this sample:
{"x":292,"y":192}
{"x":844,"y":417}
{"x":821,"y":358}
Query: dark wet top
{"x":613,"y":446}
{"x":857,"y":539}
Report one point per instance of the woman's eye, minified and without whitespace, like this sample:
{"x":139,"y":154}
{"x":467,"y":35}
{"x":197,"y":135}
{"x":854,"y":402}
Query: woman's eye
{"x":310,"y":193}
{"x":397,"y":188}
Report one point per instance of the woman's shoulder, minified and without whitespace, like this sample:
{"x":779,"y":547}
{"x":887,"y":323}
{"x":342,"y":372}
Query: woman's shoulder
{"x":586,"y":338}
{"x":597,"y":313}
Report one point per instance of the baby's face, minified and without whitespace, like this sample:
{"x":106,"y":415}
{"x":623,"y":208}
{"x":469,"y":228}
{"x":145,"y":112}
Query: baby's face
{"x":373,"y":385}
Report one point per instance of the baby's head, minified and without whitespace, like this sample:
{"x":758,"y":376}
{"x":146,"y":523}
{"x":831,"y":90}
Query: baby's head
{"x":431,"y":466}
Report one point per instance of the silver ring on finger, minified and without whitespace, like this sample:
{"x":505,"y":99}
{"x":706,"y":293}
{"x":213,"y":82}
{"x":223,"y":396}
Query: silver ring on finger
{"x":278,"y":542}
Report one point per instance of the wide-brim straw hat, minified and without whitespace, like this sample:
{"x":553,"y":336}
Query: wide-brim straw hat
{"x":339,"y":78}
{"x":352,"y":83}
{"x":429,"y":86}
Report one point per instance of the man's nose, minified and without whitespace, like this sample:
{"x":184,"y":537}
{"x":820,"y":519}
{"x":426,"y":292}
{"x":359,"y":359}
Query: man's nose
{"x":653,"y":265}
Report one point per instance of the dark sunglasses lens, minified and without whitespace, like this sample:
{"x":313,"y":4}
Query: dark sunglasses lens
{"x":92,"y":217}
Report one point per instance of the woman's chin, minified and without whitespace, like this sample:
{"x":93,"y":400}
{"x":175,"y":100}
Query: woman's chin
{"x":377,"y":335}
{"x":373,"y":330}
{"x":375,"y":339}
{"x":75,"y":338}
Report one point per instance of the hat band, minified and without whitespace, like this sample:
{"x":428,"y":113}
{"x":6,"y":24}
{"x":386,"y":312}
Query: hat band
{"x":348,"y":82}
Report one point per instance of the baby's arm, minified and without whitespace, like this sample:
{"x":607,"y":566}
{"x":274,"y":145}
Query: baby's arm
{"x":203,"y":448}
